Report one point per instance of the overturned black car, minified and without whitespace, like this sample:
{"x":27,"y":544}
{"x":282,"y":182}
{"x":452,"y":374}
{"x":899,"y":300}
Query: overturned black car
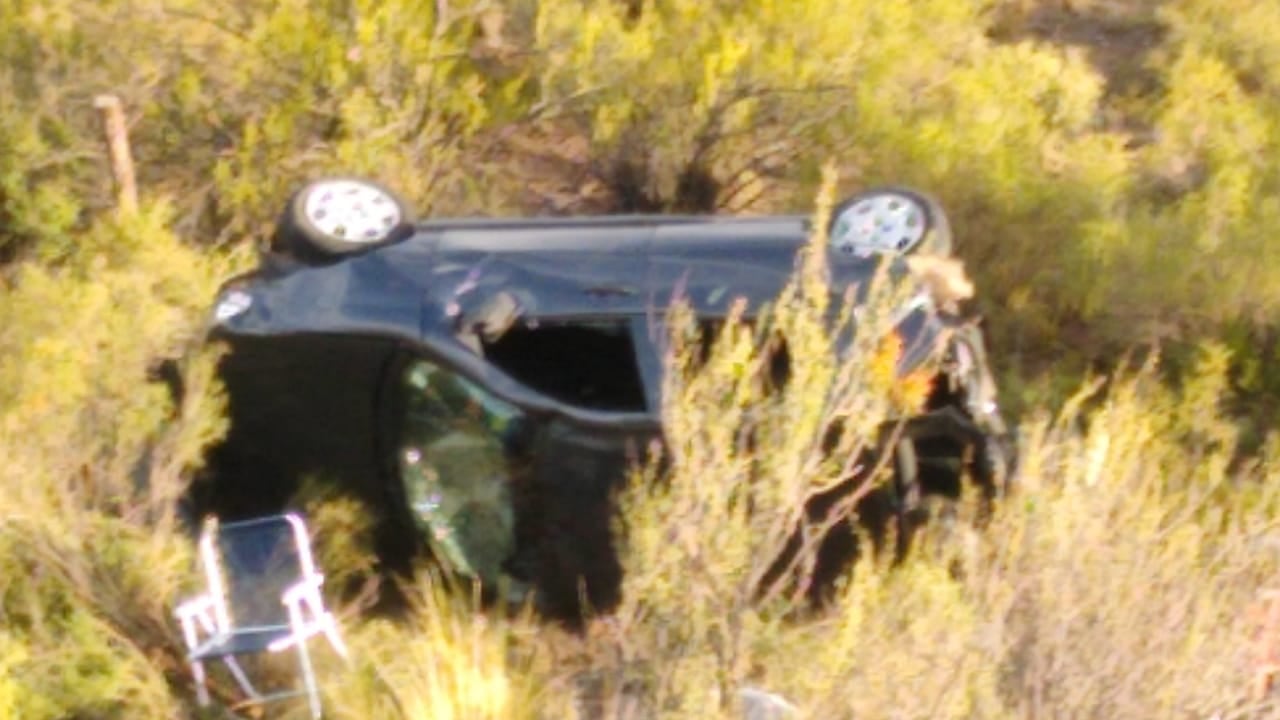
{"x":483,"y":385}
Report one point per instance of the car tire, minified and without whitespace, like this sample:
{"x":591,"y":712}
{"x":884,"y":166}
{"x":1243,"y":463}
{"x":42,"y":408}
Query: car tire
{"x":334,"y":217}
{"x":934,"y":229}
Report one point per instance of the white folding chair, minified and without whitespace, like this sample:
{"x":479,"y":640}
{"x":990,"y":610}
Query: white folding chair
{"x":262,"y":595}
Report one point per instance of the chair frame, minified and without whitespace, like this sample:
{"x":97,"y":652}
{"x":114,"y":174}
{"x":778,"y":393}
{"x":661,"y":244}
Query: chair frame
{"x":207,"y":624}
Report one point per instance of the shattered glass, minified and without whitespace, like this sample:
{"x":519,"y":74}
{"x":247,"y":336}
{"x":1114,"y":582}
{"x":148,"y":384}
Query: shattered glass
{"x":456,"y":466}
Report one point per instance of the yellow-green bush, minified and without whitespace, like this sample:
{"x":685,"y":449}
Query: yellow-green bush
{"x":1114,"y":585}
{"x":92,"y":554}
{"x":384,"y":89}
{"x":233,"y":104}
{"x":682,"y":93}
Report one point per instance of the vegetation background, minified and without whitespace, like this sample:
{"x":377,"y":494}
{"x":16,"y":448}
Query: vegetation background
{"x":1107,"y":164}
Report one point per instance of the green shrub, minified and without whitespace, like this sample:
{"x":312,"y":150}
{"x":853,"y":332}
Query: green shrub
{"x":92,"y":553}
{"x":1114,"y":585}
{"x":233,"y":105}
{"x":384,"y":89}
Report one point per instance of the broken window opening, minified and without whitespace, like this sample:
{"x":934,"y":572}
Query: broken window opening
{"x":588,"y":364}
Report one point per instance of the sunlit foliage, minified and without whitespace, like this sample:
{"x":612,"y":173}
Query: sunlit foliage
{"x":1093,"y":220}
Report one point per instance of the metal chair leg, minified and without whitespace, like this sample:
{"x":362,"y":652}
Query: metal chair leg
{"x":202,"y":685}
{"x":309,"y":678}
{"x":242,"y":679}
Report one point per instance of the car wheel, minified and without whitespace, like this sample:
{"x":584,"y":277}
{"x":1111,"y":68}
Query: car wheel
{"x":339,"y":216}
{"x":889,"y":220}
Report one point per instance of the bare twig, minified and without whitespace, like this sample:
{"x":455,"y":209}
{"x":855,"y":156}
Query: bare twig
{"x":117,"y":136}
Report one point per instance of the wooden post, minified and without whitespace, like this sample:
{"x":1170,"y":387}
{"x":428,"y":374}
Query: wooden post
{"x":117,"y":136}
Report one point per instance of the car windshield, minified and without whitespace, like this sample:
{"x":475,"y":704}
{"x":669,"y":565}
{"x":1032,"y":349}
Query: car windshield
{"x":460,"y":448}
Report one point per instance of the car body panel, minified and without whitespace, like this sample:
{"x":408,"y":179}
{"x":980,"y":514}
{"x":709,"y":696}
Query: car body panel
{"x":317,"y":350}
{"x":419,"y":289}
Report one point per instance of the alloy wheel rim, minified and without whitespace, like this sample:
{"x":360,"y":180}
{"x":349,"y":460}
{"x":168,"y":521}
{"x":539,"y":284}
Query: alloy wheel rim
{"x":887,"y":222}
{"x":351,"y":211}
